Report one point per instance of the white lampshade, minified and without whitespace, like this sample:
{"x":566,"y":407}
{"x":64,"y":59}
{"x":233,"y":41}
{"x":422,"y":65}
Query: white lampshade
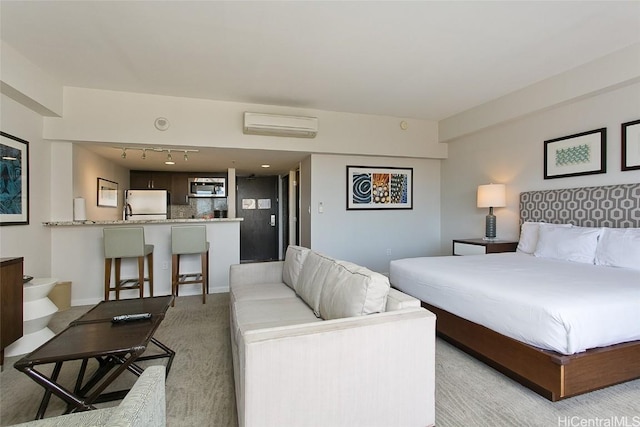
{"x":492,"y":196}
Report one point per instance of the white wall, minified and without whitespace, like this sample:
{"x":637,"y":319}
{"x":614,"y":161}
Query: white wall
{"x":618,"y":69}
{"x":512,"y":153}
{"x":92,"y":115}
{"x":87,"y":168}
{"x":106,"y":116}
{"x":32,"y":241}
{"x":28,"y":84}
{"x":373,"y":237}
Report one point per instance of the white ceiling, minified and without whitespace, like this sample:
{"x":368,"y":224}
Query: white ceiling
{"x":417,"y":59}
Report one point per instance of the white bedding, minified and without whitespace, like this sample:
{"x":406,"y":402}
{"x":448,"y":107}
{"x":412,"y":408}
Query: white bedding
{"x":556,"y":305}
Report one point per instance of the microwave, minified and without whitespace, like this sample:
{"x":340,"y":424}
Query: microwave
{"x":207,"y":187}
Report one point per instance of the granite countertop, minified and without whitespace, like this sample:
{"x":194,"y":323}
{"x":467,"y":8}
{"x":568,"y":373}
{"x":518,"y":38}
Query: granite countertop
{"x":140,"y":221}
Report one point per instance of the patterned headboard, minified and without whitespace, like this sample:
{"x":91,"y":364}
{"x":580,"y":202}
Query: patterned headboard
{"x":606,"y":206}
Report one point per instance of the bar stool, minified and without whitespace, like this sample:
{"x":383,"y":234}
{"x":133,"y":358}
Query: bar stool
{"x":126,"y":242}
{"x":188,"y":240}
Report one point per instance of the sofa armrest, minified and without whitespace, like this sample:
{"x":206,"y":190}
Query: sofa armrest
{"x":143,"y":406}
{"x":79,"y":419}
{"x":397,"y":300}
{"x":256,"y":273}
{"x":342,"y":372}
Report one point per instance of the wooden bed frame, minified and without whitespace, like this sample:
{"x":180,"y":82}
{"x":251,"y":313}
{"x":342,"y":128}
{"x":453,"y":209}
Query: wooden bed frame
{"x":550,"y":374}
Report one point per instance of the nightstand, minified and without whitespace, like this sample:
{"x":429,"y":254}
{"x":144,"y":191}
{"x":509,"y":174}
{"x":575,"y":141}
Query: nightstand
{"x":481,"y":246}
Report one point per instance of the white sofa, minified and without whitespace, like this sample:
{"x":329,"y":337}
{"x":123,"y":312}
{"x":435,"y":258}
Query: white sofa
{"x":143,"y":406}
{"x":322,"y":342}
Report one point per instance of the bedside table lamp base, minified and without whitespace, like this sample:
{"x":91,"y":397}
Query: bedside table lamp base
{"x":490,"y":227}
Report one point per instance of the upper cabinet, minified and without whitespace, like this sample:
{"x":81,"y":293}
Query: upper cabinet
{"x":144,"y":180}
{"x":177,"y":183}
{"x":180,"y":188}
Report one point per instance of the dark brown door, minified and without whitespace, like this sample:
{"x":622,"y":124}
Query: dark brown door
{"x":257,"y":203}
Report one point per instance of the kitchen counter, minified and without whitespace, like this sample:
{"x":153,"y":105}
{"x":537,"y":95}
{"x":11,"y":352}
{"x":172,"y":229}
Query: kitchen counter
{"x":140,"y":221}
{"x":77,"y":255}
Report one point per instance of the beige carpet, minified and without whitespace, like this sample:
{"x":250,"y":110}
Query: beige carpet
{"x":200,"y":385}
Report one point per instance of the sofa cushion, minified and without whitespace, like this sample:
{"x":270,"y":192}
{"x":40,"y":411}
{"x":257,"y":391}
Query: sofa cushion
{"x":259,"y":314}
{"x":252,"y":291}
{"x":314,"y":274}
{"x":352,"y":290}
{"x":293,"y":261}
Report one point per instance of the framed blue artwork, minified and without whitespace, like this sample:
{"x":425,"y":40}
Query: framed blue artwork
{"x":14,"y":180}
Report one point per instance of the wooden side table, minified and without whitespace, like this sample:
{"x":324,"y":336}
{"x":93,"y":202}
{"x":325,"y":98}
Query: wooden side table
{"x":482,"y":247}
{"x":10,"y":302}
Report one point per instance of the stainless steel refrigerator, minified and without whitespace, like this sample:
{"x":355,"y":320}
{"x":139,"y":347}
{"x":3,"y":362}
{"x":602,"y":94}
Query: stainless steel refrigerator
{"x":146,"y":204}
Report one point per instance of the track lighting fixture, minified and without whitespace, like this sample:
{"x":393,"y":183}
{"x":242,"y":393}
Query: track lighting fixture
{"x":169,"y":160}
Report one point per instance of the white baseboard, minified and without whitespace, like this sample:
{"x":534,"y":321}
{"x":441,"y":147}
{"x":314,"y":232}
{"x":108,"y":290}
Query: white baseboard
{"x":183,"y":292}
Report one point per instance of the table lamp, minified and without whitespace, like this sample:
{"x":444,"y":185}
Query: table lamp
{"x":491,"y":196}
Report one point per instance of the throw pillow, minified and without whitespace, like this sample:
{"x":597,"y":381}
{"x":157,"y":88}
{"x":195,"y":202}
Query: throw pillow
{"x":293,"y":261}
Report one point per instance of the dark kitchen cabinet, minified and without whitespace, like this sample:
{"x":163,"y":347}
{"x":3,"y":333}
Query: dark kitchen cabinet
{"x":177,"y":183}
{"x":144,"y":180}
{"x":180,"y":188}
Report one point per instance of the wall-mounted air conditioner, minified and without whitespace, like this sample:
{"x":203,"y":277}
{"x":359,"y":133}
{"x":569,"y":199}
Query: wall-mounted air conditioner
{"x":275,"y":125}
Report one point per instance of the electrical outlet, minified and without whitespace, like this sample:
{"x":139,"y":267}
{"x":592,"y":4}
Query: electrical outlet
{"x":388,"y":251}
{"x":165,"y":265}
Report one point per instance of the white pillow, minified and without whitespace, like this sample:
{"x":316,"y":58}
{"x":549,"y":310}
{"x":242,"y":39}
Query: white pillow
{"x":352,"y":290}
{"x":577,"y":244}
{"x":313,"y":276}
{"x":619,"y":247}
{"x":529,"y":232}
{"x":293,"y":261}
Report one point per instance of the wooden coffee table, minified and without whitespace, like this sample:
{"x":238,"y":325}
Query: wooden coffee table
{"x":116,"y":347}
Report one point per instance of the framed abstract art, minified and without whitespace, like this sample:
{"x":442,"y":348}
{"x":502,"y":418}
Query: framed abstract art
{"x":379,"y":188}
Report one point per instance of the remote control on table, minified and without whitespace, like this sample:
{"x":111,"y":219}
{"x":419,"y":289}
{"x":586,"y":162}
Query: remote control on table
{"x":131,"y":317}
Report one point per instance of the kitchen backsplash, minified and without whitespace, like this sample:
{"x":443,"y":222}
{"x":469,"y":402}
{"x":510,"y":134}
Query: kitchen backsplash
{"x":201,"y":208}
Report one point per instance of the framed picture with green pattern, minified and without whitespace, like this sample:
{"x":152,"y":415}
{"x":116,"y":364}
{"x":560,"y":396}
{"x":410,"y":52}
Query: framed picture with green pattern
{"x":579,"y":154}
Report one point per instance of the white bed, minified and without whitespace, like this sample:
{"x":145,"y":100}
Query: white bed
{"x":564,"y":306}
{"x":563,"y":317}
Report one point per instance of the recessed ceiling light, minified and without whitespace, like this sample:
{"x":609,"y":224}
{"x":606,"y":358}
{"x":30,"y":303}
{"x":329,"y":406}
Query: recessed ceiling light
{"x":266,"y":166}
{"x":161,"y":123}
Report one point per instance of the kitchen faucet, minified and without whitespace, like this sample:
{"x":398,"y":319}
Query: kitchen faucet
{"x":126,"y":212}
